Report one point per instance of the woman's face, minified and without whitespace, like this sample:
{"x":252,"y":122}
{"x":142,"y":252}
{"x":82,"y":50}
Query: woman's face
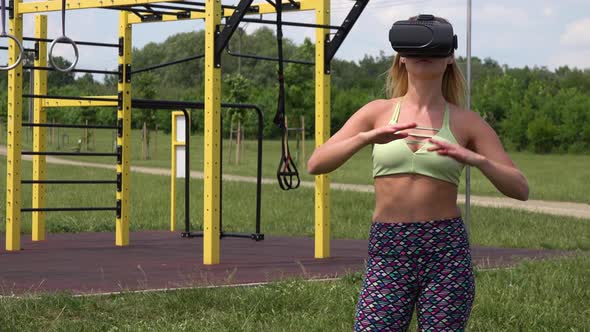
{"x":427,"y":68}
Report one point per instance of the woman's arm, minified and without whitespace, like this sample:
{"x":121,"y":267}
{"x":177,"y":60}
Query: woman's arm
{"x":485,"y":151}
{"x":356,"y":133}
{"x":496,"y":164}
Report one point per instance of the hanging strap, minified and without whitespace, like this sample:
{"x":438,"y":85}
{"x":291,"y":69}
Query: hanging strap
{"x":287,"y":171}
{"x":63,"y":39}
{"x":16,"y":41}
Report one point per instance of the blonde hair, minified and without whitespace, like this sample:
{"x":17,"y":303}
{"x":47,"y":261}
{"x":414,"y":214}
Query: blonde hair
{"x":453,"y":83}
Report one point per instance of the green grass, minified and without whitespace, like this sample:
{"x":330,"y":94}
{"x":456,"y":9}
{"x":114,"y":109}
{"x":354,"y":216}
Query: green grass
{"x":551,"y":177}
{"x":283,"y":213}
{"x":548,"y":295}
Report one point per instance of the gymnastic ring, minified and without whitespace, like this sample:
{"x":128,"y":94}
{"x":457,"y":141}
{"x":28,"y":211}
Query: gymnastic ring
{"x":20,"y":55}
{"x":71,"y":42}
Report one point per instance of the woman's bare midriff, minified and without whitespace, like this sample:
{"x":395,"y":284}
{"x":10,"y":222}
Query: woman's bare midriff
{"x":414,"y":198}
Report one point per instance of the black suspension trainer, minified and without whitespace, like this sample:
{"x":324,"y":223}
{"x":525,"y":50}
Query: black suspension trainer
{"x":287,"y":170}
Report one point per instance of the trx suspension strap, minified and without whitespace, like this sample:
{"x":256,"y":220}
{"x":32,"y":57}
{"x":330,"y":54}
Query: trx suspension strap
{"x":287,"y":169}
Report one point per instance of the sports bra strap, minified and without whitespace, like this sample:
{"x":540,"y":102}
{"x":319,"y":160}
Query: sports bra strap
{"x":446,"y":117}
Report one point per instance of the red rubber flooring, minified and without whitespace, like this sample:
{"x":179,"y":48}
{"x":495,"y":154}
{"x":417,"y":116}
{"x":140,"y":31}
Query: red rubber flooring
{"x":90,"y":262}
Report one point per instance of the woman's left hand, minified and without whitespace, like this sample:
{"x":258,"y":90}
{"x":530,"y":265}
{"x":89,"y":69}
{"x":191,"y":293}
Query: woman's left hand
{"x":459,"y":153}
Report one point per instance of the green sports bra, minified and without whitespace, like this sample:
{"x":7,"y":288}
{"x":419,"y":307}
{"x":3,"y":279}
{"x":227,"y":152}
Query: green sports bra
{"x":396,"y":157}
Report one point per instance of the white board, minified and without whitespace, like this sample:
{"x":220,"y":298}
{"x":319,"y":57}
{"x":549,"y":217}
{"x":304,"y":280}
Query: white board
{"x":180,"y":129}
{"x":180,"y":160}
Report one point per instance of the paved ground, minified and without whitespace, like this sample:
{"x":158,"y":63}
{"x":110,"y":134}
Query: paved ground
{"x":91,"y":263}
{"x":579,"y":210}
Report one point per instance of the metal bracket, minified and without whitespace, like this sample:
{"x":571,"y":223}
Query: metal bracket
{"x":119,"y":127}
{"x":36,"y":50}
{"x":332,"y":46}
{"x":120,"y":70}
{"x":128,"y":73}
{"x":119,"y":154}
{"x":121,"y":46}
{"x":11,"y":9}
{"x":118,"y":208}
{"x":183,"y":15}
{"x":151,"y":18}
{"x":232,"y":23}
{"x":120,"y":102}
{"x":119,"y":181}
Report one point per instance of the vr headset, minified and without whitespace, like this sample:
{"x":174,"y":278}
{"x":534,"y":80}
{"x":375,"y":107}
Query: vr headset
{"x":424,"y":37}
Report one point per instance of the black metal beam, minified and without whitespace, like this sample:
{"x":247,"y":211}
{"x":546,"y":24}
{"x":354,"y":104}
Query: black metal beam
{"x":67,"y":42}
{"x":69,"y":181}
{"x":68,"y":209}
{"x":169,"y":63}
{"x":333,"y":45}
{"x":59,"y":125}
{"x":295,"y":24}
{"x":231,"y":25}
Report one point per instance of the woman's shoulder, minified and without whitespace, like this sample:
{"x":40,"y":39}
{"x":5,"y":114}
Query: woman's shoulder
{"x":378,"y":106}
{"x":464,"y":116}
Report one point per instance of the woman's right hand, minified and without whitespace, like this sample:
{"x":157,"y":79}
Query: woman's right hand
{"x":388,"y":133}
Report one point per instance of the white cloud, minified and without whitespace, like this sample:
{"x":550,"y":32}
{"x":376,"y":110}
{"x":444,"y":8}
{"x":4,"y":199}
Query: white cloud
{"x":548,"y":11}
{"x":577,"y":33}
{"x":572,"y":59}
{"x":495,"y":14}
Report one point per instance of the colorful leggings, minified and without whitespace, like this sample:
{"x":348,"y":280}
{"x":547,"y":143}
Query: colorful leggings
{"x":427,"y":264}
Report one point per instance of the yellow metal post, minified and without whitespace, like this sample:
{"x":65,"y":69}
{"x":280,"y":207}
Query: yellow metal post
{"x":39,"y":133}
{"x":212,"y":158}
{"x":14,"y":135}
{"x":175,"y":143}
{"x":322,"y":133}
{"x":124,"y":138}
{"x":173,"y":175}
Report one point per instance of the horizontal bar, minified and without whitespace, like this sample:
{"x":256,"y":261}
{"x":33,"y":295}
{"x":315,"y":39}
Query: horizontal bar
{"x":92,"y":71}
{"x":168,"y":63}
{"x":77,"y":103}
{"x":295,"y":24}
{"x":67,"y":42}
{"x":53,"y":153}
{"x":32,"y":50}
{"x":68,"y":209}
{"x":50,"y":6}
{"x":58,"y":125}
{"x":70,"y":97}
{"x":69,"y":181}
{"x":260,"y":57}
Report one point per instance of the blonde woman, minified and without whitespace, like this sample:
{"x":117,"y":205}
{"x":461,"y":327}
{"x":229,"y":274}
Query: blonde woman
{"x":422,"y":137}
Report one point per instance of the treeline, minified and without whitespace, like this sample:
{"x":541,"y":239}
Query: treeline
{"x":531,"y":109}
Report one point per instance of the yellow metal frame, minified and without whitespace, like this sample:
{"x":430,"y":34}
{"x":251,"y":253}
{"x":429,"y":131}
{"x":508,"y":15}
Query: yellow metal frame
{"x":173,"y":145}
{"x":212,"y":158}
{"x":322,"y":133}
{"x":14,"y":136}
{"x":39,"y":133}
{"x":124,"y":114}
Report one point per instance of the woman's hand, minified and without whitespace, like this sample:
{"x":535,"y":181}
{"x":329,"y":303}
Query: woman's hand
{"x":459,"y":153}
{"x":386,"y":134}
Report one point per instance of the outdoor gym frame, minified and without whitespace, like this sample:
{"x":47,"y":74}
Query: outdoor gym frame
{"x":216,"y":38}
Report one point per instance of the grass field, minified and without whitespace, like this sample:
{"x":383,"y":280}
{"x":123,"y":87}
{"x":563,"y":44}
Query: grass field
{"x":548,"y":295}
{"x":535,"y":296}
{"x":283,"y":213}
{"x":551,"y":177}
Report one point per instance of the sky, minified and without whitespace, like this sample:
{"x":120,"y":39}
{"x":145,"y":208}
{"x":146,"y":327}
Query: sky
{"x":516,"y":33}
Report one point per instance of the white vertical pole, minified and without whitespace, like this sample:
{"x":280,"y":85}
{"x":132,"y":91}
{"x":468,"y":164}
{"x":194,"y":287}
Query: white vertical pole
{"x":468,"y":170}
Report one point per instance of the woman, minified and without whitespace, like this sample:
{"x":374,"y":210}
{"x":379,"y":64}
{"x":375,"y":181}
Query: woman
{"x":418,"y":247}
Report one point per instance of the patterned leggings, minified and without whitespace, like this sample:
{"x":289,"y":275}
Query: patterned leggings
{"x":423,"y":264}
